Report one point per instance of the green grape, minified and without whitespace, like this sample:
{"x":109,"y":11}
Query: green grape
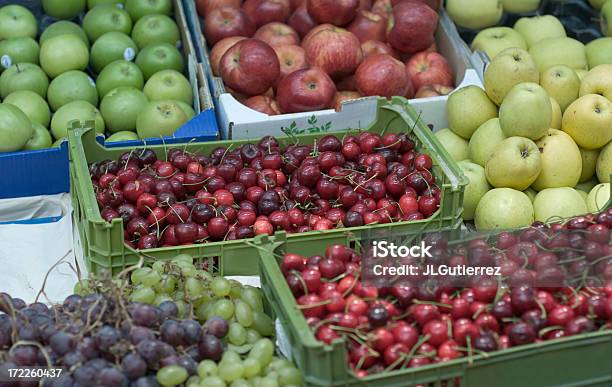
{"x":171,"y":375}
{"x":230,"y":356}
{"x":251,"y":367}
{"x":272,"y":375}
{"x":204,"y":275}
{"x":193,"y":381}
{"x":139,"y":274}
{"x":207,"y":368}
{"x":220,"y":287}
{"x":183,"y":258}
{"x":83,"y":287}
{"x":203,"y":311}
{"x":256,"y":380}
{"x":252,"y":296}
{"x":213,"y":381}
{"x":143,"y":294}
{"x":230,"y":371}
{"x":151,"y":278}
{"x":167,"y":284}
{"x":290,"y":375}
{"x":244,"y":314}
{"x":240,"y":383}
{"x":268,"y":382}
{"x":159,"y":266}
{"x":183,"y":308}
{"x":161,"y":297}
{"x":194,"y":288}
{"x":253,"y":336}
{"x":263,"y":350}
{"x":263,"y":324}
{"x":277,"y":363}
{"x":237,"y":334}
{"x":202,"y":300}
{"x":236,"y":289}
{"x":223,"y":308}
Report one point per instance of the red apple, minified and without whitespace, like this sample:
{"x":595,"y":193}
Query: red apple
{"x":305,"y":90}
{"x":429,"y":68}
{"x":242,"y":98}
{"x":225,"y":22}
{"x":266,"y":11}
{"x":364,"y":5}
{"x":411,"y":27}
{"x":207,"y":6}
{"x":337,"y":12}
{"x":382,"y":74}
{"x":369,"y":26}
{"x":342,"y":96}
{"x":291,"y":58}
{"x":372,"y":47}
{"x":219,"y":49}
{"x":383,"y":8}
{"x":296,"y":3}
{"x":432,"y":91}
{"x":250,"y":67}
{"x":277,"y":34}
{"x":301,"y":21}
{"x":263,"y":104}
{"x":334,"y":49}
{"x":347,"y":83}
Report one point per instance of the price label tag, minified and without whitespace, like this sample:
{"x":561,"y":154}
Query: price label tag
{"x":6,"y":61}
{"x":129,"y":54}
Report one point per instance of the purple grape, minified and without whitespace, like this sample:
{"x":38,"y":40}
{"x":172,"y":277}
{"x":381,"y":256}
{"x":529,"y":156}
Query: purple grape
{"x":168,"y":309}
{"x":62,"y":342}
{"x":145,"y":315}
{"x":25,"y":355}
{"x":106,"y":337}
{"x":73,"y":358}
{"x":193,"y":331}
{"x":72,"y":303}
{"x":85,"y":375}
{"x":172,"y":333}
{"x":210,"y":347}
{"x":134,"y":366}
{"x":112,"y":377}
{"x":138,"y":334}
{"x":217,"y":327}
{"x":145,"y":381}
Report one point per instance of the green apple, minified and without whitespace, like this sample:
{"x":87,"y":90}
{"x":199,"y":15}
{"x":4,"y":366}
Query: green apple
{"x":41,"y":138}
{"x":160,"y":118}
{"x":559,"y":51}
{"x":597,"y":4}
{"x":32,"y":105}
{"x":120,"y":108}
{"x":561,"y":161}
{"x":526,"y":111}
{"x":71,"y":86}
{"x":140,"y":8}
{"x":538,"y":28}
{"x":587,"y":186}
{"x":496,"y":39}
{"x":588,"y":120}
{"x":509,"y":68}
{"x":75,"y":111}
{"x":604,"y":164}
{"x":17,"y":21}
{"x":515,"y":163}
{"x":456,"y":146}
{"x":598,"y":198}
{"x":598,"y":81}
{"x":122,"y":136}
{"x":561,"y":83}
{"x":63,"y":27}
{"x":152,"y":29}
{"x":475,"y":14}
{"x":503,"y":209}
{"x":484,"y":141}
{"x":15,"y":128}
{"x":531,"y":193}
{"x":583,"y":195}
{"x":168,"y":84}
{"x":63,"y":53}
{"x":63,"y":9}
{"x":24,"y":76}
{"x":110,"y":47}
{"x":94,"y":3}
{"x":106,"y":18}
{"x":187,"y":109}
{"x":589,"y":162}
{"x":599,"y":51}
{"x":581,"y":73}
{"x":468,"y":108}
{"x":119,"y":73}
{"x":606,"y":19}
{"x":554,"y":203}
{"x":18,"y":50}
{"x":159,"y":56}
{"x":557,"y":116}
{"x":476,"y":188}
{"x":520,"y":6}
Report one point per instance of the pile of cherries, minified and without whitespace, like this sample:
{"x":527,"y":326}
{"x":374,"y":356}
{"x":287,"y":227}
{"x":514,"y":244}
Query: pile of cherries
{"x":403,"y":325}
{"x":257,"y":189}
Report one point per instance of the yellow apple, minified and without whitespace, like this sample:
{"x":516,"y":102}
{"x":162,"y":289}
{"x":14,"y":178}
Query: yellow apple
{"x":509,"y":68}
{"x":467,"y":109}
{"x":537,"y":28}
{"x":476,"y":188}
{"x":584,"y":196}
{"x":561,"y":83}
{"x":555,"y":121}
{"x":581,"y":73}
{"x":589,"y":121}
{"x":455,"y":145}
{"x":526,"y":111}
{"x":484,"y":140}
{"x":502,"y":209}
{"x":552,"y":204}
{"x":606,"y":18}
{"x":604,"y":164}
{"x":598,"y":197}
{"x":561,"y":161}
{"x":475,"y":14}
{"x":520,"y":6}
{"x":598,"y":81}
{"x":559,"y":51}
{"x":494,"y":40}
{"x":515,"y":163}
{"x":589,"y":162}
{"x":599,"y":51}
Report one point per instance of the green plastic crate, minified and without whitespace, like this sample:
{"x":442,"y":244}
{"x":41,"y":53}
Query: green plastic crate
{"x":103,"y":241}
{"x":582,"y":360}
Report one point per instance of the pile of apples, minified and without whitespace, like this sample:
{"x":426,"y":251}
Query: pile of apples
{"x":288,"y":56}
{"x":259,"y":188}
{"x":539,"y":133}
{"x":122,"y":58}
{"x":411,"y":322}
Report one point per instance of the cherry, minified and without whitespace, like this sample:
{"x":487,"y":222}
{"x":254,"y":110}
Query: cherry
{"x":521,"y":333}
{"x":148,"y":242}
{"x":486,"y":321}
{"x":464,"y":329}
{"x":369,"y":143}
{"x":362,"y":354}
{"x":423,"y":162}
{"x":437,"y":330}
{"x":263,"y":227}
{"x":218,"y":227}
{"x":309,"y":175}
{"x":423,"y":313}
{"x":127,"y":211}
{"x":327,"y":189}
{"x":485,"y":342}
{"x":381,"y":338}
{"x":506,"y":240}
{"x":561,"y":315}
{"x":137,"y":226}
{"x":357,"y":306}
{"x":313,"y":304}
{"x":186,"y":232}
{"x":393,"y":353}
